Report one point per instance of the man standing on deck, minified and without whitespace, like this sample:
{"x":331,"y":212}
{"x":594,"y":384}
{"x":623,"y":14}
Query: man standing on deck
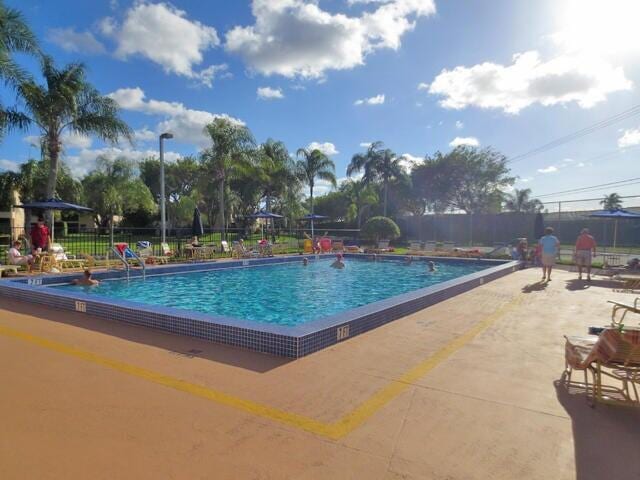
{"x":550,"y":249}
{"x":40,"y":237}
{"x":585,"y":247}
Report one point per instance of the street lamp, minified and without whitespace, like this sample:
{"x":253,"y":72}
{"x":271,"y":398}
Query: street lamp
{"x":163,"y":218}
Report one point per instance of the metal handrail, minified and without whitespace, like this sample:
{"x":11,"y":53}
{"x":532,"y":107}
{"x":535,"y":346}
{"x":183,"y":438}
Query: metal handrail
{"x":141,"y":262}
{"x":122,"y":259}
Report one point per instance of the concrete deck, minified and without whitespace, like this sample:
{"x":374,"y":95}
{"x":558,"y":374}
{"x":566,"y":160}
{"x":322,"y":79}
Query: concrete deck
{"x":466,"y":389}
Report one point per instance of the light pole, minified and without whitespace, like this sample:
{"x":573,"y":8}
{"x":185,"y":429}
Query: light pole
{"x":163,"y":217}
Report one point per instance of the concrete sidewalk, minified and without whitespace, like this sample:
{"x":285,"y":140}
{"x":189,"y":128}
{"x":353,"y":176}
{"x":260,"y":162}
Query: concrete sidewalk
{"x":466,"y":389}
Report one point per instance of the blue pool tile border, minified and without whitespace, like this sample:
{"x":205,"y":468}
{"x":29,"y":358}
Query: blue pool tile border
{"x":294,"y":342}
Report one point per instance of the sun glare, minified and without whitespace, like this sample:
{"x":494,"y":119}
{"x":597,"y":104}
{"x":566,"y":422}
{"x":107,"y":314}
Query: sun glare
{"x":604,"y":26}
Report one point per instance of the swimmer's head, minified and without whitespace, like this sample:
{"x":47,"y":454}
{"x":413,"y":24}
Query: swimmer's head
{"x":305,"y":261}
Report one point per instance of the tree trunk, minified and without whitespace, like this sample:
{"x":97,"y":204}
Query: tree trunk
{"x":53,"y":147}
{"x":221,"y":212}
{"x":386,"y":185}
{"x":311,"y":200}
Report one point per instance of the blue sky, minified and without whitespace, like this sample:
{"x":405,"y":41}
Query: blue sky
{"x":416,"y":74}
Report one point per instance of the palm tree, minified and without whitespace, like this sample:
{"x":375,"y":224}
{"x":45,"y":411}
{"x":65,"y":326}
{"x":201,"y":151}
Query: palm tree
{"x":68,"y":103}
{"x":230,"y":152}
{"x":613,"y":201}
{"x":315,"y":164}
{"x":519,"y":201}
{"x":276,"y":169}
{"x":360,"y":196}
{"x":378,"y":164}
{"x":15,"y":36}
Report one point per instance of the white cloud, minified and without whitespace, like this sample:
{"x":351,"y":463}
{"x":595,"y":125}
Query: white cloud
{"x":298,"y":38}
{"x":408,"y":161}
{"x":186,"y":124}
{"x":629,"y":138}
{"x":525,"y":180}
{"x":163,"y":34}
{"x":85,"y":161}
{"x":327,"y":148}
{"x":549,"y":169}
{"x":471,"y":141}
{"x":365,"y":144}
{"x":68,"y":139}
{"x":145,"y":135}
{"x":423,"y":86}
{"x":268,"y":93}
{"x":377,"y":100}
{"x":568,"y":160}
{"x":459,"y":125}
{"x":9,"y":165}
{"x":580,"y":78}
{"x":76,"y":42}
{"x":581,"y":164}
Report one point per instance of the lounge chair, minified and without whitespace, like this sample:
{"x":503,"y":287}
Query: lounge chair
{"x":630,"y":281}
{"x":224,"y":248}
{"x":240,"y":251}
{"x":337,"y":246}
{"x":625,"y":307}
{"x":429,"y":246}
{"x":415,"y":246}
{"x":146,"y":254}
{"x":63,"y":261}
{"x":8,"y":268}
{"x":613,"y":355}
{"x":93,"y":262}
{"x":448,"y":246}
{"x":352,"y":249}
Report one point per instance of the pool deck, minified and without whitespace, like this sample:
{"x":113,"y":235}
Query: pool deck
{"x":465,"y":389}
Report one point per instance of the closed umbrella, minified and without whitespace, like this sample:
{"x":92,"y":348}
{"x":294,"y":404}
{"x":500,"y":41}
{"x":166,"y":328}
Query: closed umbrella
{"x":617,"y":214}
{"x":54,"y":204}
{"x":538,"y":226}
{"x":197,"y":230}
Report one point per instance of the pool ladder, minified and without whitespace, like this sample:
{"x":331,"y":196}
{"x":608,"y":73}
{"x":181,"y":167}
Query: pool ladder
{"x":127,"y":265}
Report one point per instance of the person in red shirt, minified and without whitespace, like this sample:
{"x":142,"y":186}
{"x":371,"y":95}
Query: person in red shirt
{"x":585,"y":247}
{"x":40,"y":236}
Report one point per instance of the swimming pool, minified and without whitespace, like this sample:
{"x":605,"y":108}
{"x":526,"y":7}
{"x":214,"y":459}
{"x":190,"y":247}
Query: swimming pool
{"x":270,"y":305}
{"x":285,"y":294}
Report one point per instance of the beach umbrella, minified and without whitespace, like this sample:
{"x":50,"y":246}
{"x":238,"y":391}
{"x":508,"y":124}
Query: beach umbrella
{"x":618,"y":214}
{"x":197,"y":230}
{"x":54,"y":204}
{"x":267,"y":215}
{"x":312,"y":217}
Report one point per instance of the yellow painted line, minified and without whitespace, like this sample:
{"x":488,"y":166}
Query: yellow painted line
{"x":334,"y":430}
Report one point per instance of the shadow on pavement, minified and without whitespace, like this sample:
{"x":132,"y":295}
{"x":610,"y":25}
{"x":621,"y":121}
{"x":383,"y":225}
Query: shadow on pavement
{"x":180,"y":346}
{"x":576,"y":285}
{"x":606,"y":438}
{"x":535,"y":287}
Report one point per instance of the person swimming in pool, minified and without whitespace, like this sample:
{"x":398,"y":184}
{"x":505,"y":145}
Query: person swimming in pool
{"x":338,"y":263}
{"x":86,"y":280}
{"x":431,"y":267}
{"x":408,"y":260}
{"x":305,"y":261}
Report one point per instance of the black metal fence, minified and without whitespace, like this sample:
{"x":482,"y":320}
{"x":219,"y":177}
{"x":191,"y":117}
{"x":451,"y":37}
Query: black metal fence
{"x":97,"y":242}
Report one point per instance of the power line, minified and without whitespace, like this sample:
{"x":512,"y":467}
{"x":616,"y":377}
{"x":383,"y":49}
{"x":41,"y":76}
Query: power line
{"x":635,"y":110}
{"x":548,"y":202}
{"x":581,"y":189}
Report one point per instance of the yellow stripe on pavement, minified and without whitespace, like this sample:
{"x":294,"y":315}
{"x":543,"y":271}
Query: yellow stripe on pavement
{"x":334,"y":430}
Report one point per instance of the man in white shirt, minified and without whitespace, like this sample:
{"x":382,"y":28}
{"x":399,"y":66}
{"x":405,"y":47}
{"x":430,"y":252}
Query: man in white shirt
{"x":16,"y":258}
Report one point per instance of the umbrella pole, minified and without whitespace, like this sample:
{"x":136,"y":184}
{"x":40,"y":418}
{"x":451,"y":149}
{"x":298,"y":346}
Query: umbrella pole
{"x":312,"y":230}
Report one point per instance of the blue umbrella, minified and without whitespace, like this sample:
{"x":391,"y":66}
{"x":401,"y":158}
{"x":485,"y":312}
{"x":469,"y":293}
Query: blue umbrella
{"x":616,"y":214}
{"x":315,"y":216}
{"x":54,"y":204}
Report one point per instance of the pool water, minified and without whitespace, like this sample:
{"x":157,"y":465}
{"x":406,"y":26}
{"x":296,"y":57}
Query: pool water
{"x":284,"y":294}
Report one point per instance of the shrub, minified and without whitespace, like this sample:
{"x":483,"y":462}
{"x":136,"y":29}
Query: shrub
{"x":380,"y":227}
